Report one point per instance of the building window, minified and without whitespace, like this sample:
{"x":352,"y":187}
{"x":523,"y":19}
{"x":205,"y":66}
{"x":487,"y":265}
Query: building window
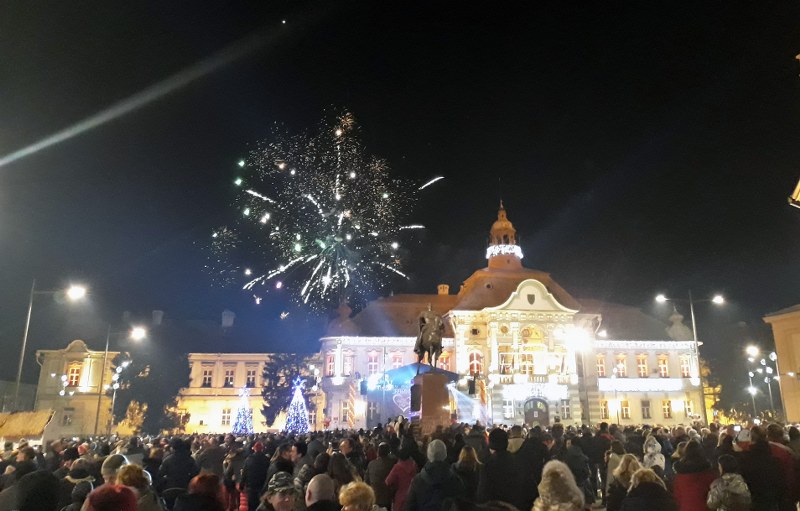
{"x":397,"y":360}
{"x":251,"y":378}
{"x":475,"y":363}
{"x":229,"y":377}
{"x":226,"y":416}
{"x":508,"y":408}
{"x":74,"y":375}
{"x":666,"y":408}
{"x":621,"y":366}
{"x":689,"y":407}
{"x":601,"y":366}
{"x":66,"y":419}
{"x":349,"y":361}
{"x":641,"y":366}
{"x":646,"y":409}
{"x":566,"y":411}
{"x":444,"y":361}
{"x":208,"y":374}
{"x":372,"y":362}
{"x":684,"y":366}
{"x":604,"y":409}
{"x":475,"y":332}
{"x":330,"y":364}
{"x":526,"y":363}
{"x":625,"y":409}
{"x":663,"y":366}
{"x":344,"y":409}
{"x":312,"y":419}
{"x":506,"y":361}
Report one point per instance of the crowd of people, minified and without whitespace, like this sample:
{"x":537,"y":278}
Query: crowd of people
{"x":460,"y":468}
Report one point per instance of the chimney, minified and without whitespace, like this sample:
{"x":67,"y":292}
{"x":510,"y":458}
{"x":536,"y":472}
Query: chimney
{"x":227,"y":318}
{"x":158,"y":317}
{"x":444,"y":289}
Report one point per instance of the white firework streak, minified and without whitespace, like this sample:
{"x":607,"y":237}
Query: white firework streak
{"x":273,"y":273}
{"x":262,"y":197}
{"x":413,"y":226}
{"x":314,"y":202}
{"x":305,"y":287}
{"x":430,"y":182}
{"x":392,"y":269}
{"x":341,"y":215}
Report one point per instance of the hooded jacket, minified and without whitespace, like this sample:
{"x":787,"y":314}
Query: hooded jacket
{"x":648,"y":497}
{"x":432,"y":486}
{"x":691,"y":484}
{"x":729,"y":493}
{"x":652,"y":454}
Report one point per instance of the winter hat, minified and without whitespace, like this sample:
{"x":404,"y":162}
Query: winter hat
{"x":280,"y":482}
{"x":498,"y":440}
{"x":437,"y":451}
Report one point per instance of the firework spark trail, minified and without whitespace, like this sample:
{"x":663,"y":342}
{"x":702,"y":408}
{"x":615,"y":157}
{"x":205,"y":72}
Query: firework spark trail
{"x":430,"y":182}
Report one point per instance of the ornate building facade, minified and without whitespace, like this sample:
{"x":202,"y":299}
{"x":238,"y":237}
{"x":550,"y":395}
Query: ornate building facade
{"x":523,"y":349}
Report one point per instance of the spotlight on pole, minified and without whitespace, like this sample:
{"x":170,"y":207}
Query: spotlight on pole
{"x":138,"y":333}
{"x":76,"y":292}
{"x":718,"y":299}
{"x":661,"y":298}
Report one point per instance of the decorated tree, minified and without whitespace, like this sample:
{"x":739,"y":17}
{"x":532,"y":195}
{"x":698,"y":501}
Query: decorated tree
{"x":279,"y":372}
{"x":243,"y":424}
{"x":297,"y":414}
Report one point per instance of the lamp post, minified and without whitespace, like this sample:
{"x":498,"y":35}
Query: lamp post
{"x":137,"y":334}
{"x":752,"y":390}
{"x":74,"y":293}
{"x":615,"y":372}
{"x":716,"y":300}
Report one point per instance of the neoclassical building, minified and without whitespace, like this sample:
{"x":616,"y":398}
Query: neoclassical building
{"x":521,"y":350}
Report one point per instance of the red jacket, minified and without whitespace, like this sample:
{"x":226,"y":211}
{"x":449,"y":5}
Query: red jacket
{"x":399,"y":480}
{"x":691,"y":489}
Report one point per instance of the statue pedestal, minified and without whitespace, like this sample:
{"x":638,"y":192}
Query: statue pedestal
{"x":430,"y":402}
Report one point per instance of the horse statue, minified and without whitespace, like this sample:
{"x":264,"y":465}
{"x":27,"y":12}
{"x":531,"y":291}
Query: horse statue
{"x":429,"y":340}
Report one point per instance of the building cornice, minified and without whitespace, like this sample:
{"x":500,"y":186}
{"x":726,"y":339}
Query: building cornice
{"x":642,"y":345}
{"x":357,"y":340}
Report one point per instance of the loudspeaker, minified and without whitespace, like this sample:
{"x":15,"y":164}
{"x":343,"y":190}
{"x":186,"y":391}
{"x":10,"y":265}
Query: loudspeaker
{"x":416,"y":398}
{"x":471,"y":386}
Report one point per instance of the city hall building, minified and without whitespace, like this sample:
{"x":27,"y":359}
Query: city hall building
{"x":518,"y":349}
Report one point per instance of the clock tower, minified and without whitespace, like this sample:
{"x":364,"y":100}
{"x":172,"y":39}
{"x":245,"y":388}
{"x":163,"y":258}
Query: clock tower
{"x":503,"y":252}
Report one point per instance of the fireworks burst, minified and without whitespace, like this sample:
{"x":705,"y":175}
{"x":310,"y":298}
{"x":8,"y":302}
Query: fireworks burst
{"x":318,"y":217}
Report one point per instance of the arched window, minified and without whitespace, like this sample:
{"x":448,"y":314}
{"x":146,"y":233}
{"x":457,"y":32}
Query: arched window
{"x":372,"y":362}
{"x":74,"y":374}
{"x":475,"y":362}
{"x":397,"y":360}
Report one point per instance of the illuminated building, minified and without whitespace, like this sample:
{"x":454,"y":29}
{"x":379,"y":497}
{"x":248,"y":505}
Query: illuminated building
{"x":536,"y":353}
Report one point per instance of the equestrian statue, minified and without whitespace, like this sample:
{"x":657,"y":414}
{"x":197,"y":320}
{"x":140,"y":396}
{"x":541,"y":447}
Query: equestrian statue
{"x":429,"y":340}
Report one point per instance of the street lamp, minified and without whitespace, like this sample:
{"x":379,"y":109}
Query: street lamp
{"x":752,"y":391}
{"x":73,"y":293}
{"x":137,"y":334}
{"x":717,"y":299}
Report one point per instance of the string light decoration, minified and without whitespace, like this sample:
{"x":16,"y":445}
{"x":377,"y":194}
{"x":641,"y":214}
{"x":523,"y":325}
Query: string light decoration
{"x":243,"y":424}
{"x":318,"y":218}
{"x":297,"y":414}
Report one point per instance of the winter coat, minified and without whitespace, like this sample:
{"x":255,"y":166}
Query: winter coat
{"x":67,"y":484}
{"x":211,"y":460}
{"x":469,"y":477}
{"x":477,"y":440}
{"x":324,"y":505}
{"x":578,"y":463}
{"x":279,"y":465}
{"x":514,"y":444}
{"x":763,"y":475}
{"x":652,"y":454}
{"x":601,"y":443}
{"x":648,"y":497}
{"x":399,"y":480}
{"x":729,"y":493}
{"x":432,"y":486}
{"x":375,"y":476}
{"x":613,"y":463}
{"x":177,"y":470}
{"x":197,"y":502}
{"x":501,"y":479}
{"x":617,"y":491}
{"x":148,"y":501}
{"x":254,"y":471}
{"x":691,"y":484}
{"x":234,"y":462}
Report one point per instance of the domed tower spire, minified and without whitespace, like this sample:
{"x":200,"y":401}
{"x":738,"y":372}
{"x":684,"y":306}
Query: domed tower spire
{"x":503,"y":251}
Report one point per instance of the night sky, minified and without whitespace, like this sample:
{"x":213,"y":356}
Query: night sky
{"x":639,"y":148}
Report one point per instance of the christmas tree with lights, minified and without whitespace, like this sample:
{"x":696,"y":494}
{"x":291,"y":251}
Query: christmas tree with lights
{"x":297,"y":414}
{"x":243,"y":425}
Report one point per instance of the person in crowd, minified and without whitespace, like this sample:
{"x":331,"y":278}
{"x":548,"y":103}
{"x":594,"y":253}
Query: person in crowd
{"x":760,"y":470}
{"x":321,"y":495}
{"x":358,"y":496}
{"x":435,"y":483}
{"x":532,"y":457}
{"x":78,"y":496}
{"x":300,"y":457}
{"x":254,"y":475}
{"x":476,"y":438}
{"x":348,"y":448}
{"x":578,"y":463}
{"x":618,"y":488}
{"x":64,"y":463}
{"x":280,"y":495}
{"x":138,"y":480}
{"x":515,"y":439}
{"x":78,"y":473}
{"x":557,"y":490}
{"x":500,"y":477}
{"x":152,"y":461}
{"x":785,"y":456}
{"x":653,"y":458}
{"x":400,"y":478}
{"x":341,"y":471}
{"x":134,"y":451}
{"x":693,"y":478}
{"x":319,"y":466}
{"x":376,"y":474}
{"x":232,"y":467}
{"x":612,"y":458}
{"x":794,"y":440}
{"x":729,"y":492}
{"x":205,"y":494}
{"x":111,"y":497}
{"x":211,"y":458}
{"x":281,"y":461}
{"x":647,"y":493}
{"x":8,"y":497}
{"x":468,"y":469}
{"x":178,"y":468}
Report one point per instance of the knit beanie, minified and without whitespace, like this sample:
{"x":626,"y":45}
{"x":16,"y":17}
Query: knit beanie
{"x":498,"y":440}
